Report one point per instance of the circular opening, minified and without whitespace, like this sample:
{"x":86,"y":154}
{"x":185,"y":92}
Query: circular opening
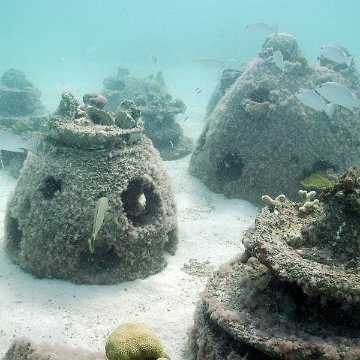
{"x":260,"y":95}
{"x":141,"y":202}
{"x":320,"y":165}
{"x":230,"y":168}
{"x":49,"y":187}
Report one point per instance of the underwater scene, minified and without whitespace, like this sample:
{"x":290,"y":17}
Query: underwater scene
{"x":179,"y":180}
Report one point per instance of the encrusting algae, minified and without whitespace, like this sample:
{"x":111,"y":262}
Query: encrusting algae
{"x":295,"y":293}
{"x":317,"y":180}
{"x":86,"y":159}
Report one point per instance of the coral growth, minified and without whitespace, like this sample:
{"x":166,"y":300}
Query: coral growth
{"x":295,"y":293}
{"x":74,"y":125}
{"x":95,"y":99}
{"x":157,"y":107}
{"x":134,"y":341}
{"x":129,"y":341}
{"x":272,"y":203}
{"x":310,"y":203}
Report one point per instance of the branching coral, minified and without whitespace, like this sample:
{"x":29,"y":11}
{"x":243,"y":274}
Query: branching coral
{"x":273,"y":203}
{"x":310,"y":204}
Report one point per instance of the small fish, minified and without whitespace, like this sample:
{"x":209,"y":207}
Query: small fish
{"x":210,"y":62}
{"x":199,"y":91}
{"x":16,"y":143}
{"x":101,"y":209}
{"x":336,"y":54}
{"x":261,"y":28}
{"x":279,"y":60}
{"x":186,"y":118}
{"x":312,"y":99}
{"x":338,"y":94}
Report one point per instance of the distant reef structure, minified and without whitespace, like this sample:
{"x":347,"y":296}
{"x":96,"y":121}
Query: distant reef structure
{"x":21,"y":113}
{"x":260,"y":138}
{"x":295,"y":292}
{"x":157,"y":107}
{"x":94,"y":205}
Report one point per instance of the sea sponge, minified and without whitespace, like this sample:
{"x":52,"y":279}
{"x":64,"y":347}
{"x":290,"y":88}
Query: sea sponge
{"x":134,"y":341}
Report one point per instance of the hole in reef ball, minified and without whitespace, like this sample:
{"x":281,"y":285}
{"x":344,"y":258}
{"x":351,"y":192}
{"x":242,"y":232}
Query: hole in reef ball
{"x":260,"y":95}
{"x":49,"y":187}
{"x":320,"y":165}
{"x":230,"y":168}
{"x":141,"y":203}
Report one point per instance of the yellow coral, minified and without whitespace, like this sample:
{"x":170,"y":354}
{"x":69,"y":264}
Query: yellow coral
{"x":134,"y":341}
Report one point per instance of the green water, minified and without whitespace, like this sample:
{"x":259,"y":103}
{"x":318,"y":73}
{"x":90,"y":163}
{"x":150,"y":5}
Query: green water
{"x":74,"y":45}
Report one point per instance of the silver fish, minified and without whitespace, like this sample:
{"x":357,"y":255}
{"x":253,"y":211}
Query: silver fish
{"x":279,"y":60}
{"x":312,"y":99}
{"x":101,"y":209}
{"x":210,"y":62}
{"x":261,"y":28}
{"x":16,"y":143}
{"x":338,"y":94}
{"x":336,"y":54}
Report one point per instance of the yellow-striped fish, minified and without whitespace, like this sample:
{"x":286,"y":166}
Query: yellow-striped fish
{"x":101,"y":209}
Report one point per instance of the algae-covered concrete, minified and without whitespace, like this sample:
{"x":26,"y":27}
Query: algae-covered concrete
{"x":259,"y":138}
{"x":21,"y":113}
{"x":56,"y":211}
{"x":158,"y":110}
{"x":295,"y":293}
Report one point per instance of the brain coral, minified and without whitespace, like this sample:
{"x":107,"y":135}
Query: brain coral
{"x":134,"y":341}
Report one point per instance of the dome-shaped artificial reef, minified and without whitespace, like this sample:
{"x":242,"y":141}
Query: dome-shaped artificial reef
{"x":94,"y":205}
{"x":259,"y":138}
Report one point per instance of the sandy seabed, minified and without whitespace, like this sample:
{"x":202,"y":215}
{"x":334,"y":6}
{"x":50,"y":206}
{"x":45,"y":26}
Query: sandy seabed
{"x":81,"y":316}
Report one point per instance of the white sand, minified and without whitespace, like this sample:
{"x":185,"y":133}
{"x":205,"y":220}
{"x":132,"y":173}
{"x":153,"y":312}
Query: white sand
{"x":210,"y":229}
